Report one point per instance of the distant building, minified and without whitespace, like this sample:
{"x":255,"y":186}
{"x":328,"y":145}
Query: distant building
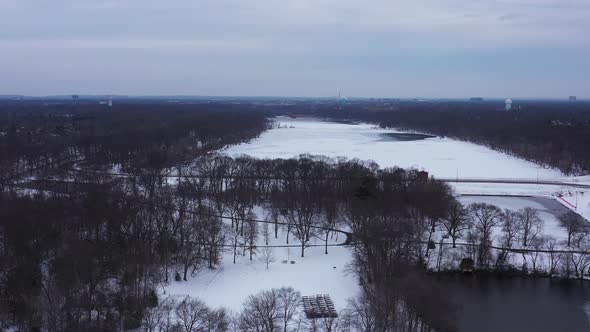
{"x":476,"y":99}
{"x":423,"y":175}
{"x":573,"y":98}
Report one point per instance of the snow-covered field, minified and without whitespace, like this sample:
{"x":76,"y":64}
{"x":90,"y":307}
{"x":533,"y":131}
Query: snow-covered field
{"x":316,"y":273}
{"x":442,"y":157}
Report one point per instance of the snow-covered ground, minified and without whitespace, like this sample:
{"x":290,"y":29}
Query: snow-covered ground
{"x":442,"y":157}
{"x":316,"y":273}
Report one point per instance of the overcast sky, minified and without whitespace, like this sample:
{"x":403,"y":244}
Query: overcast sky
{"x":369,"y":48}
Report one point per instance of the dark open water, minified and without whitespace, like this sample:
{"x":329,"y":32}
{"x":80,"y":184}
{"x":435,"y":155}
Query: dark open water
{"x":519,"y":305}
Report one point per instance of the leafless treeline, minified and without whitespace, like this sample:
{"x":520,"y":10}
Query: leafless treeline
{"x":520,"y":240}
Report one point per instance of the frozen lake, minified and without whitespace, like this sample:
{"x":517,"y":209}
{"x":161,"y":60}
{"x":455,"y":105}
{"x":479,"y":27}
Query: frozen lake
{"x":442,"y":157}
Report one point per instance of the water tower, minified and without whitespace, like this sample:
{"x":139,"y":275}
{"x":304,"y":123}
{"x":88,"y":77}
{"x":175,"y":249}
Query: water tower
{"x":508,"y":104}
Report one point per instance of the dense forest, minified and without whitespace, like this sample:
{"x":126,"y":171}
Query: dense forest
{"x":553,"y":134}
{"x":36,"y":137}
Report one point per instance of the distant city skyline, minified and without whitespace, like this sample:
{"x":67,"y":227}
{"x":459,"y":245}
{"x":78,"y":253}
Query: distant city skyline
{"x":309,"y":48}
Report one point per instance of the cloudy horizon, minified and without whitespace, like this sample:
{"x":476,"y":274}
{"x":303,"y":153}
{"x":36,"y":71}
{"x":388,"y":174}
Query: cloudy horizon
{"x":511,"y":48}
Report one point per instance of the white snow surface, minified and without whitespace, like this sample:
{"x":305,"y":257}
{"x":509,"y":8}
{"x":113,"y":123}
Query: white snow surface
{"x":442,"y":157}
{"x":316,"y":273}
{"x":230,"y":285}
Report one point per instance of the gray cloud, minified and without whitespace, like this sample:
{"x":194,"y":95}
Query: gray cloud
{"x":284,"y":47}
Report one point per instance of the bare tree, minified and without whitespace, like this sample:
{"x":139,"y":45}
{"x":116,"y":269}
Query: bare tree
{"x":261,"y":312}
{"x":213,"y":238}
{"x":251,"y":233}
{"x":266,"y":256}
{"x":157,"y":318}
{"x":554,"y":258}
{"x":510,"y":227}
{"x":573,"y":225}
{"x":266,"y":231}
{"x":580,"y":261}
{"x":192,"y":315}
{"x":579,"y":238}
{"x":191,"y":254}
{"x":345,"y":320}
{"x":328,"y":324}
{"x":530,"y":225}
{"x":485,"y":217}
{"x":471,"y":239}
{"x":537,"y":242}
{"x":456,"y":221}
{"x":289,"y":301}
{"x":363,"y":313}
{"x":217,"y":321}
{"x":331,"y":219}
{"x":233,"y":234}
{"x":303,"y":218}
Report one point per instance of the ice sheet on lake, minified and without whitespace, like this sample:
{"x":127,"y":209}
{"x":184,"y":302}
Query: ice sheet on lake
{"x":442,"y":157}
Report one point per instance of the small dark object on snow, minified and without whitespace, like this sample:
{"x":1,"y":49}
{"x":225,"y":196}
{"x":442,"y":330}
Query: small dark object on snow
{"x":467,"y":265}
